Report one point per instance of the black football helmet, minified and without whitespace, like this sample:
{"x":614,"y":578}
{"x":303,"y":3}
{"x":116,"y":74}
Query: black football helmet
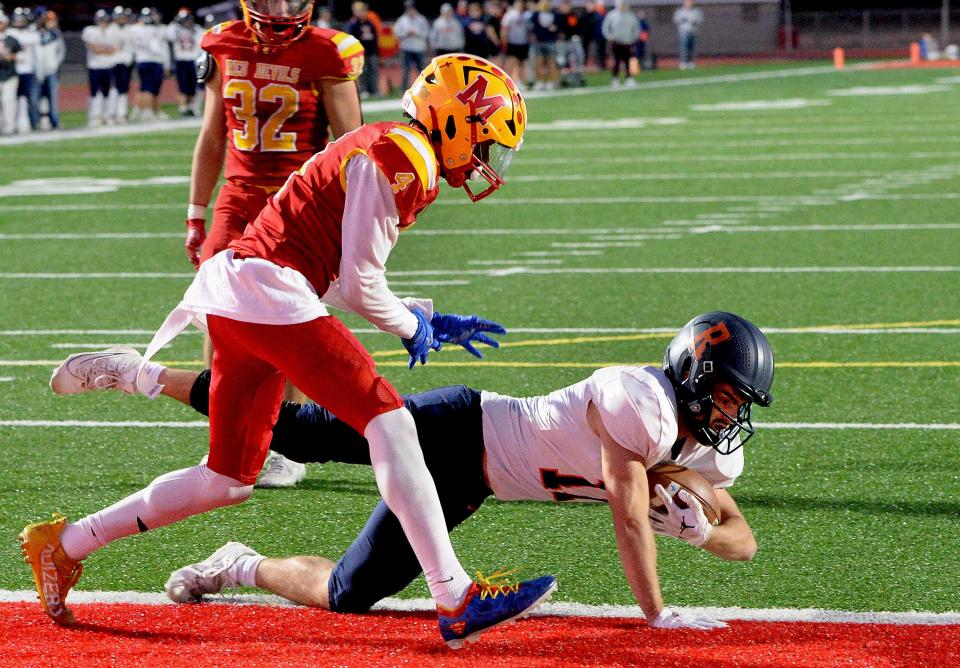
{"x":719,"y":347}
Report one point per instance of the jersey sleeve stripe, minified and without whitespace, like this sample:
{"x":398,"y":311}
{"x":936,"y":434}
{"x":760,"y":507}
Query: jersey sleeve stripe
{"x":347,"y":45}
{"x":419,"y":154}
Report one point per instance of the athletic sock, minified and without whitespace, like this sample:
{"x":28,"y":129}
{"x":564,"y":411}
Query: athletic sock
{"x":410,"y":493}
{"x":148,"y":379}
{"x":245,"y":569}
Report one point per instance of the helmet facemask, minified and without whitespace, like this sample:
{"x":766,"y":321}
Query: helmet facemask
{"x":711,"y":349}
{"x":489,"y":163}
{"x":276,"y":22}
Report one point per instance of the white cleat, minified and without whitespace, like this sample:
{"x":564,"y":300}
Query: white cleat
{"x":111,"y":369}
{"x":281,"y":472}
{"x":210,"y":576}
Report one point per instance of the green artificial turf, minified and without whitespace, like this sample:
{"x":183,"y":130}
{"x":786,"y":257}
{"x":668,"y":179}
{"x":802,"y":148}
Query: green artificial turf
{"x":855,"y":195}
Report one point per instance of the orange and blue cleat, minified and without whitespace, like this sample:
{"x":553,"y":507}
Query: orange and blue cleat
{"x":489,"y":604}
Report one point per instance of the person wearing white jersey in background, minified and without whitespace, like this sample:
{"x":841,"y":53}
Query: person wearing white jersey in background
{"x":9,"y":47}
{"x":102,"y":40}
{"x":184,"y":34}
{"x":152,"y":54}
{"x":689,"y":20}
{"x":591,"y":441}
{"x":118,"y":103}
{"x":28,"y":90}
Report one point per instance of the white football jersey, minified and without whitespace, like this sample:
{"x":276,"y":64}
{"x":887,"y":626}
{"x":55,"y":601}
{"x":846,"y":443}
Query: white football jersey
{"x":185,"y":40}
{"x":149,"y":44}
{"x":542,"y":449}
{"x":108,"y":37}
{"x":124,"y":54}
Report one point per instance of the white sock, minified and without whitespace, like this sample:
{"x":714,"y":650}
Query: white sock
{"x":148,"y":379}
{"x":410,"y":493}
{"x":168,"y":499}
{"x":245,"y":569}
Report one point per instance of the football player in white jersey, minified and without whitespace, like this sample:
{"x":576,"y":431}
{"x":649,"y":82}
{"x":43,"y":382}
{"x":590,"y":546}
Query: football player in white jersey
{"x":103,"y":40}
{"x":591,"y":441}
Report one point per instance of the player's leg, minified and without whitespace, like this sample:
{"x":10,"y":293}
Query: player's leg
{"x":340,"y":375}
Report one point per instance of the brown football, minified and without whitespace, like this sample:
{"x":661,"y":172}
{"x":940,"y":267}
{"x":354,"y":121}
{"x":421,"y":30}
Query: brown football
{"x":673,"y":478}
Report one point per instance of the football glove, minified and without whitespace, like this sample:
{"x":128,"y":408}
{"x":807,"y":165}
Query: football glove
{"x":422,"y":341}
{"x":689,"y":524}
{"x":196,"y":235}
{"x":464,"y":330}
{"x":677,"y":619}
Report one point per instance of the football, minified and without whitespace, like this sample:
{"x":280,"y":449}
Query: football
{"x":673,"y":478}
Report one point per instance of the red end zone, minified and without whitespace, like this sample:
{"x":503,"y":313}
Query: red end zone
{"x":122,"y":634}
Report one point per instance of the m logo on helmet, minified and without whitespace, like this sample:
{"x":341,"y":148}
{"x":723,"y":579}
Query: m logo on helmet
{"x":476,"y":96}
{"x":716,"y":334}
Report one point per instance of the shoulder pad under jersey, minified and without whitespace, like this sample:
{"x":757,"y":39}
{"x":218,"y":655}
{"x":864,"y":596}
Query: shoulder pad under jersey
{"x":205,"y":66}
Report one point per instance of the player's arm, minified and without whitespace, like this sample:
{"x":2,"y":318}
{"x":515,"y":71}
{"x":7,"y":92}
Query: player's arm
{"x":732,"y":539}
{"x":341,"y":102}
{"x":370,"y":231}
{"x":208,"y":156}
{"x":625,"y":478}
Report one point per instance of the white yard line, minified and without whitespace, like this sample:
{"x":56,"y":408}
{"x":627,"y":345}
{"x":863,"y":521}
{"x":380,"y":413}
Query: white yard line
{"x":698,"y":226}
{"x":820,"y":426}
{"x":513,"y":271}
{"x":548,"y":609}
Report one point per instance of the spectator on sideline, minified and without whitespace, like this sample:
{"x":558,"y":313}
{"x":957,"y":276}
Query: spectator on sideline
{"x":365,"y":30}
{"x":641,"y":46}
{"x":621,"y":29}
{"x":571,"y":56}
{"x":184,"y":35}
{"x":688,"y":20}
{"x":593,"y":32}
{"x":412,"y":30}
{"x":102,"y":40}
{"x":9,"y":47}
{"x":28,"y":88}
{"x":515,"y":33}
{"x":152,"y":54}
{"x":545,"y":34}
{"x":480,"y":37}
{"x":446,"y":33}
{"x":324,"y":18}
{"x":50,"y":57}
{"x":119,"y":101}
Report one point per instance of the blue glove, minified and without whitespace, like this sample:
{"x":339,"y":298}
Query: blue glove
{"x":423,"y":340}
{"x":464,"y":329}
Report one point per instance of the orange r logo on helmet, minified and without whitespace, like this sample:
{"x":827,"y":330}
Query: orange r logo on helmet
{"x":716,"y":334}
{"x":475,"y":96}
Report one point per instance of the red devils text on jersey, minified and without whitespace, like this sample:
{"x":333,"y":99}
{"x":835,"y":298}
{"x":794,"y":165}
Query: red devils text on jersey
{"x":275,"y":119}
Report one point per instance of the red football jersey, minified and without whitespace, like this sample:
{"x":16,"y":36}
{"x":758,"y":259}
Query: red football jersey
{"x":275,"y":117}
{"x":300,"y":227}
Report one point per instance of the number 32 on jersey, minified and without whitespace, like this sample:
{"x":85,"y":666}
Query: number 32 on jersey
{"x":269,"y":137}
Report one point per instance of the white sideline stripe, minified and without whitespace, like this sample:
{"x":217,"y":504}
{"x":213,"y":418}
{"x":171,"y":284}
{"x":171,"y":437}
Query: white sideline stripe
{"x":778,"y":200}
{"x":698,"y":226}
{"x":524,"y":330}
{"x":828,"y":426}
{"x":394,"y":105}
{"x":99,"y":345}
{"x":7,"y":379}
{"x":101,"y":423}
{"x":559,"y":609}
{"x":511,"y":271}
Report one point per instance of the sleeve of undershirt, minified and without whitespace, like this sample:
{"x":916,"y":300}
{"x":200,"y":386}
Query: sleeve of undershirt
{"x":370,"y":230}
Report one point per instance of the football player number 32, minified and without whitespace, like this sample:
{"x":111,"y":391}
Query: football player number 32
{"x":268,"y":137}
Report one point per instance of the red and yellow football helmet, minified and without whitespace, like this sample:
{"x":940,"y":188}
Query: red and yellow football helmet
{"x":474,"y":115}
{"x":276,"y":22}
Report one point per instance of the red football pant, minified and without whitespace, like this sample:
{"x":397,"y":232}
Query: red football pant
{"x":250,"y":362}
{"x":237,"y":204}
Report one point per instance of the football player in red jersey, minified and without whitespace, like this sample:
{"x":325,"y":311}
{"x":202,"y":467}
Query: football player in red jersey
{"x":275,"y":88}
{"x":328,"y":232}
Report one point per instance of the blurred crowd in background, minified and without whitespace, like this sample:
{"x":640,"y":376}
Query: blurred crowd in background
{"x":542,"y":44}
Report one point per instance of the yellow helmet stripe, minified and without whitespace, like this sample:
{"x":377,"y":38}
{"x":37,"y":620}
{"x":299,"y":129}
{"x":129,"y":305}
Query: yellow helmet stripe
{"x":347,"y":45}
{"x":419,"y":153}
